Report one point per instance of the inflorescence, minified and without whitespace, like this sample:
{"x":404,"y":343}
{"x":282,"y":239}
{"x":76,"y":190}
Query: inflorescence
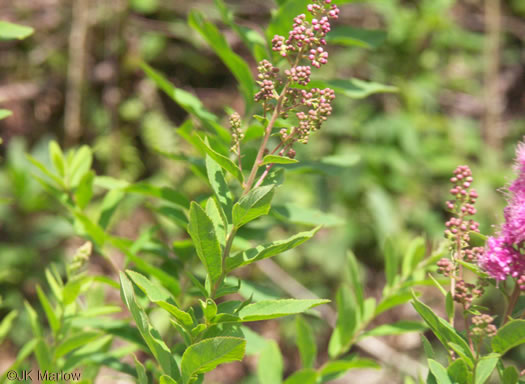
{"x":303,"y":49}
{"x":504,"y":255}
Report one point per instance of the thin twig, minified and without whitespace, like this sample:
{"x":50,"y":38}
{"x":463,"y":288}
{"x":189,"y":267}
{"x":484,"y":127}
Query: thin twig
{"x":76,"y":70}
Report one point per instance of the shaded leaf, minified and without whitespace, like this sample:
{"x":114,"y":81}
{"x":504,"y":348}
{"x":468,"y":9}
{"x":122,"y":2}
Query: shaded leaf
{"x":509,"y":336}
{"x":273,"y":159}
{"x":358,"y":37}
{"x":485,"y":367}
{"x":397,"y":328}
{"x":271,"y":309}
{"x":204,"y":356}
{"x":353,"y":88}
{"x":270,"y":364}
{"x":300,"y":215}
{"x":10,"y":31}
{"x":237,"y":66}
{"x":205,"y":240}
{"x":306,"y":342}
{"x":252,"y":205}
{"x":265,"y":251}
{"x":345,"y":327}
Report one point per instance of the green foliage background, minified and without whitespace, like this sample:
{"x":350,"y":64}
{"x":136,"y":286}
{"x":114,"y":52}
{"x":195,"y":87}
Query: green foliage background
{"x":378,"y":169}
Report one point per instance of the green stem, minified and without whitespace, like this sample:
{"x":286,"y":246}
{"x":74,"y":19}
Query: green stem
{"x":225,"y":255}
{"x":512,"y":303}
{"x":260,"y":153}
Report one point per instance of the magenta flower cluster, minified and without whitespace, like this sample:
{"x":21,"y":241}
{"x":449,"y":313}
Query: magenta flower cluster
{"x":504,"y":255}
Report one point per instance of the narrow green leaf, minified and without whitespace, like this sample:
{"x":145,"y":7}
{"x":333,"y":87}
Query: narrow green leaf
{"x":10,"y":31}
{"x":485,"y":367}
{"x":439,"y":372}
{"x":413,"y":256}
{"x":54,"y":285}
{"x":306,"y":342}
{"x":220,"y":186}
{"x":273,"y":159}
{"x":217,"y":217}
{"x":345,"y":326}
{"x":251,"y":38}
{"x":237,"y":66}
{"x":80,"y":164}
{"x":33,"y":319}
{"x":5,"y":113}
{"x":458,"y":371}
{"x":355,"y":280}
{"x":84,"y":190}
{"x":353,"y":88}
{"x":57,"y":158}
{"x":75,"y":341}
{"x":142,"y":376}
{"x":204,"y":356}
{"x":7,"y":323}
{"x":270,"y":364}
{"x":165,"y":193}
{"x":252,"y":205}
{"x":23,"y":354}
{"x":167,"y":280}
{"x":109,"y":206}
{"x":427,"y":347}
{"x":392,"y":301}
{"x":57,"y":180}
{"x":438,"y":285}
{"x":91,"y":229}
{"x":477,"y":239}
{"x":304,"y":376}
{"x":158,"y":295}
{"x":340,"y":366}
{"x":442,"y":329}
{"x":205,"y":240}
{"x":220,"y":159}
{"x":449,"y":306}
{"x":158,"y":348}
{"x":391,"y":262}
{"x":187,"y":101}
{"x":397,"y":328}
{"x":510,"y":375}
{"x":166,"y":380}
{"x":43,"y":356}
{"x":300,"y":215}
{"x":282,"y":19}
{"x":265,"y":251}
{"x":272,"y":309}
{"x":49,"y":310}
{"x":509,"y":336}
{"x":356,"y":37}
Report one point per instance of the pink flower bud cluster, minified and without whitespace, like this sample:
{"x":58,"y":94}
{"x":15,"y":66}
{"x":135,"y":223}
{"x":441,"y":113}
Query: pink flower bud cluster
{"x":307,"y":35}
{"x":319,"y":103}
{"x":462,"y":205}
{"x":521,"y":282}
{"x":305,"y":40}
{"x":504,"y":254}
{"x":465,"y":293}
{"x":318,"y":56}
{"x":300,"y":74}
{"x":266,"y":80}
{"x":237,"y":133}
{"x":483,"y":326}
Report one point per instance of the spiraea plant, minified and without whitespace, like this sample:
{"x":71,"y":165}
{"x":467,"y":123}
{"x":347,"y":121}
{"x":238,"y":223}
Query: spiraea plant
{"x":188,"y":309}
{"x":475,"y":265}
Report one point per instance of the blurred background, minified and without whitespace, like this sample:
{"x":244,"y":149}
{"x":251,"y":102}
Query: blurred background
{"x":458,"y":67}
